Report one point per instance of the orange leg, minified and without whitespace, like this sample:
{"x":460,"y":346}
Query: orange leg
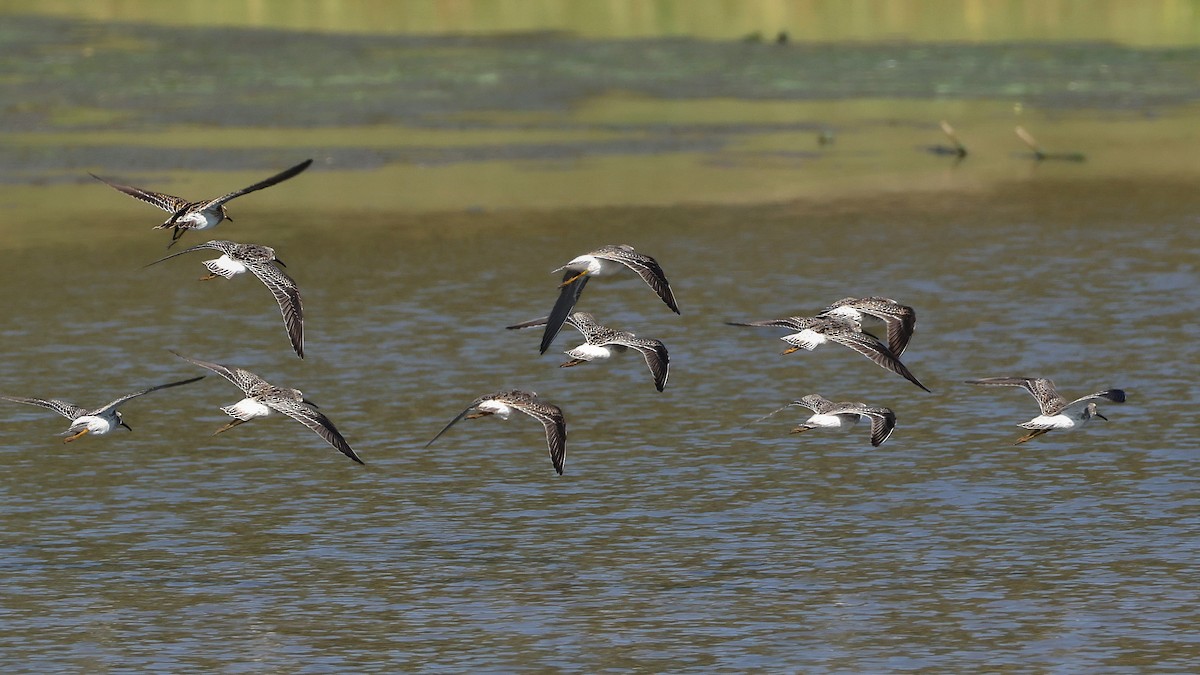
{"x":229,"y":426}
{"x":800,"y":430}
{"x":1030,"y":436}
{"x":789,"y":350}
{"x":68,"y":439}
{"x":573,"y":279}
{"x":572,"y":362}
{"x":479,"y":414}
{"x":207,"y":277}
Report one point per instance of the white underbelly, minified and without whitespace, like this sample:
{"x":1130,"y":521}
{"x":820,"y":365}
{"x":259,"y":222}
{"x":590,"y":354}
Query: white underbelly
{"x":833,"y":421}
{"x":201,"y":220}
{"x":247,"y":409}
{"x":95,"y":425}
{"x":586,"y":352}
{"x":1054,"y":422}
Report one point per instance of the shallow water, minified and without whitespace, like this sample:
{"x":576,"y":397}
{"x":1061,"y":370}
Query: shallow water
{"x":681,"y":537}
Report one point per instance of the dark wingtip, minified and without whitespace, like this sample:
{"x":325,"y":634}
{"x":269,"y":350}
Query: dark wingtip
{"x":1116,"y":395}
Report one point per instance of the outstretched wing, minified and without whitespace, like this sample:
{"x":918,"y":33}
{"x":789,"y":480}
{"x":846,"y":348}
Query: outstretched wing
{"x":166,"y":202}
{"x":1040,"y":388}
{"x":216,"y":244}
{"x":901,"y":321}
{"x":883,"y":422}
{"x":241,"y":378}
{"x":1114,"y":395}
{"x":568,"y":295}
{"x":65,"y":408}
{"x":143,"y":392}
{"x":646,"y":267}
{"x":317,"y":421}
{"x":551,"y":417}
{"x":287,"y":295}
{"x":655,"y":353}
{"x":795,"y":323}
{"x":454,"y":421}
{"x":868,"y":346}
{"x":532,"y":323}
{"x":277,"y":178}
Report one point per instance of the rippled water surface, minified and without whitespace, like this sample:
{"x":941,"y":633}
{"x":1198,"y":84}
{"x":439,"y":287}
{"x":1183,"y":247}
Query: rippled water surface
{"x":678,"y":537}
{"x":682,"y":536}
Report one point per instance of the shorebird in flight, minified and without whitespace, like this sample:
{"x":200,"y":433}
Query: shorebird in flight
{"x":198,"y":215}
{"x":601,"y":342}
{"x":96,"y":422}
{"x":503,"y":403}
{"x":238,"y":258}
{"x":604,"y":261}
{"x":262,"y":398}
{"x":900,"y":319}
{"x":1057,"y":412}
{"x":843,"y":416}
{"x":811,"y":332}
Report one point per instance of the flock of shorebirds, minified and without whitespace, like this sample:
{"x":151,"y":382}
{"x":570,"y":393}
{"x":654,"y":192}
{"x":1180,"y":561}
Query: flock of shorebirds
{"x":843,"y":323}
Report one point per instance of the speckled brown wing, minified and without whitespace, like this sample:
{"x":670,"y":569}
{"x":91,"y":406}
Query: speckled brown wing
{"x":166,"y":202}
